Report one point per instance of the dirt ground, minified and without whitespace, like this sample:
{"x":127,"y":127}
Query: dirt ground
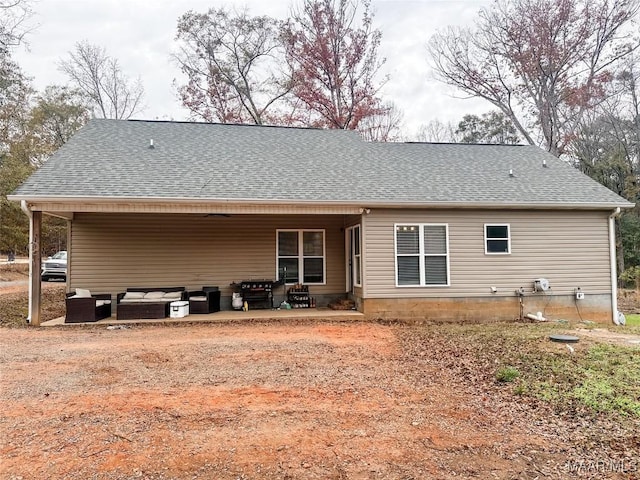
{"x":256,"y":401}
{"x":277,"y":400}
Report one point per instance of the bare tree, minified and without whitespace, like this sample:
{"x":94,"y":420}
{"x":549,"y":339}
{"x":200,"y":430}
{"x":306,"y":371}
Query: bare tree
{"x":543,"y":63}
{"x":609,"y":137}
{"x":382,"y":127}
{"x":234,"y":66}
{"x":436,"y":131}
{"x":334,"y":57}
{"x":607,"y":148}
{"x":14,"y":16}
{"x":99,"y":77}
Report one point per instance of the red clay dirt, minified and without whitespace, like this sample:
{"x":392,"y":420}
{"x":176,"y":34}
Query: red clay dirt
{"x":290,"y":400}
{"x":285,"y":400}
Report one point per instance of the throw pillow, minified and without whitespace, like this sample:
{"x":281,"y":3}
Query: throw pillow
{"x":83,"y":293}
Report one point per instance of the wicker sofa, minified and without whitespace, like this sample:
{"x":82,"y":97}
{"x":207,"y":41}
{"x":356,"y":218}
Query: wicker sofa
{"x":82,"y":306}
{"x":147,"y":302}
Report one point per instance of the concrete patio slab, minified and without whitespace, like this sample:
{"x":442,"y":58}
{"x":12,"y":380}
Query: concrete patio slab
{"x":228,"y":316}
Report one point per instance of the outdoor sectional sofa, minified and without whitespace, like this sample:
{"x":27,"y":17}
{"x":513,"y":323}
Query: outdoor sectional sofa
{"x":151,"y":302}
{"x":82,"y":306}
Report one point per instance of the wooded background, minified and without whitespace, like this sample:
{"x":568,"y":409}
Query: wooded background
{"x":560,"y":74}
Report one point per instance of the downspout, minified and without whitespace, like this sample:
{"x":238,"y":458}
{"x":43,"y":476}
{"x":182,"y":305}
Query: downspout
{"x":613,"y":267}
{"x":25,"y":209}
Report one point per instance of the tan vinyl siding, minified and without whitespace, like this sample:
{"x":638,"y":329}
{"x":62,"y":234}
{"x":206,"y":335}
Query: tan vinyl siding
{"x":110,"y":252}
{"x":570,"y":249}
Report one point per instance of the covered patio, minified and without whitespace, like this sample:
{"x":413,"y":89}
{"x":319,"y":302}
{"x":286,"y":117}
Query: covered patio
{"x":228,"y":316}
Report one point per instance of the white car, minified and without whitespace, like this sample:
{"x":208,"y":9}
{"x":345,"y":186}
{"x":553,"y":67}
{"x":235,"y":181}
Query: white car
{"x":55,"y":267}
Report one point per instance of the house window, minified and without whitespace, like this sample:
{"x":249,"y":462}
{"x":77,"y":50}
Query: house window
{"x":497,"y":239}
{"x":301,"y":257}
{"x":422,"y":255}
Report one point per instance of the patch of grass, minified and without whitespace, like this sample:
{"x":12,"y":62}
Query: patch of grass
{"x":595,"y":377}
{"x":602,"y":378}
{"x":507,"y":374}
{"x":633,"y":320}
{"x":611,"y":380}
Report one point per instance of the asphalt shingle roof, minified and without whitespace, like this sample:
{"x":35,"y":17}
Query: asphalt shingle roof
{"x":200,"y":161}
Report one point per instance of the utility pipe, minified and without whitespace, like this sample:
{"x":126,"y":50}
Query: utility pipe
{"x":613,"y":268}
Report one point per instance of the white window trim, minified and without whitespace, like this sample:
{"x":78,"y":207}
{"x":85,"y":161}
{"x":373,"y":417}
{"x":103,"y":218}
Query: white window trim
{"x":422,"y":254}
{"x":301,"y":256}
{"x":508,"y":239}
{"x":351,"y":235}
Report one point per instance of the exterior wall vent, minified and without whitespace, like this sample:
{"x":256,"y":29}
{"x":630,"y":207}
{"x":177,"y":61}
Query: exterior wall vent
{"x":541,"y":285}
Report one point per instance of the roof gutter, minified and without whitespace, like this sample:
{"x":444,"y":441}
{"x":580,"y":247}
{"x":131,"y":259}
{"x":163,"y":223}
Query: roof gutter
{"x":612,"y":265}
{"x":332,"y":203}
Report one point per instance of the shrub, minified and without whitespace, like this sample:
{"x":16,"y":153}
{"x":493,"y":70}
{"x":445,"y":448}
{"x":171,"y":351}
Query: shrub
{"x":631,"y":277}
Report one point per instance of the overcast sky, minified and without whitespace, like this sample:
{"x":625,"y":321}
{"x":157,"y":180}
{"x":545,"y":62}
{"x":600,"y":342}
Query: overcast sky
{"x":140,"y":34}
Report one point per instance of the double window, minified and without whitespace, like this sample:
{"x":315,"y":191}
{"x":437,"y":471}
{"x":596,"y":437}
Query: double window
{"x":497,"y":239}
{"x":422,"y":254}
{"x":301,"y":256}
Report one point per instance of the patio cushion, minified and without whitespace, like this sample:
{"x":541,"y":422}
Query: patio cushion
{"x":82,"y":293}
{"x":100,"y":303}
{"x":197,"y":299}
{"x":133,"y":296}
{"x":172,"y":295}
{"x":146,"y":300}
{"x":153,"y":295}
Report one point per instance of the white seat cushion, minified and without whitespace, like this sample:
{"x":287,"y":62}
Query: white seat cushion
{"x":153,"y":295}
{"x":133,"y":296}
{"x":173,"y":295}
{"x":145,"y":300}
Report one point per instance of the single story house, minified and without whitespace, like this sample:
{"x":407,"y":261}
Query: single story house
{"x":407,"y":230}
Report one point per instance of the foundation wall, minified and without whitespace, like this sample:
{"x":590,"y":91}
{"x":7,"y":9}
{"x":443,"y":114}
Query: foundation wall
{"x":595,"y":308}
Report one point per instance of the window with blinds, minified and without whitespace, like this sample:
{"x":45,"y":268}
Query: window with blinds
{"x":422,"y":255}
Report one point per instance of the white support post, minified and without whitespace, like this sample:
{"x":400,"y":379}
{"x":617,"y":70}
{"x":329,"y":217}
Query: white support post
{"x":612,"y":261}
{"x":35,"y":264}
